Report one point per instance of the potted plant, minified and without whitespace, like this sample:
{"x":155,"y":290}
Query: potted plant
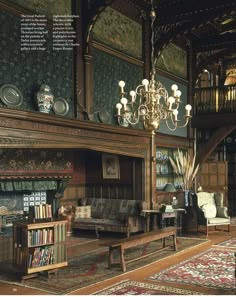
{"x":184,"y":165}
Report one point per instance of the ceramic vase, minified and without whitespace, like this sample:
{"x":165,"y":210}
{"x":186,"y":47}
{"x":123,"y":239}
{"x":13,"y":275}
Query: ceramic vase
{"x":186,"y":198}
{"x":44,"y":98}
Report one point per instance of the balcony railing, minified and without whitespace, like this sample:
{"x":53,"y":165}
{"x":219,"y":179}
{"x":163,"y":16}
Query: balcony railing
{"x":215,"y":99}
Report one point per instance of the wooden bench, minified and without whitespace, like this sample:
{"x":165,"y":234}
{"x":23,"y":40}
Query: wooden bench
{"x":126,"y":243}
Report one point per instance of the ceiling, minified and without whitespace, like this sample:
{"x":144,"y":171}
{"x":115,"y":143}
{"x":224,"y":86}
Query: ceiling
{"x":209,"y":25}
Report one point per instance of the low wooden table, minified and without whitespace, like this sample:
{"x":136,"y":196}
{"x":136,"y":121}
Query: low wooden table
{"x":126,"y":243}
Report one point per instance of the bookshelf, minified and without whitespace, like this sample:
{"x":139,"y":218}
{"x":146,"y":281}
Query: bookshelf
{"x":39,"y":246}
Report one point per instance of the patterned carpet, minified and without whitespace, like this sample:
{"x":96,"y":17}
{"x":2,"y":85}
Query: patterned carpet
{"x":213,"y":268}
{"x":130,"y":287}
{"x":230,"y":243}
{"x":92,"y":267}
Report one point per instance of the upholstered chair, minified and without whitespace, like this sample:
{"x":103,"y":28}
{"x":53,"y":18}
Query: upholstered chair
{"x":210,"y":211}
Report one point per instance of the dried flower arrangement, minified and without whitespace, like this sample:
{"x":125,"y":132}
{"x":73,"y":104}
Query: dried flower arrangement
{"x":185,"y":167}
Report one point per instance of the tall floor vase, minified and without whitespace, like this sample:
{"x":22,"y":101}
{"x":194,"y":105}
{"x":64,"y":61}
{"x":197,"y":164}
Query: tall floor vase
{"x":186,"y":198}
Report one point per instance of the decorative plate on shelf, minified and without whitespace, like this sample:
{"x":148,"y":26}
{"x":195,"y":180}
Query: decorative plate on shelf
{"x":11,"y":95}
{"x":60,"y":106}
{"x":104,"y":116}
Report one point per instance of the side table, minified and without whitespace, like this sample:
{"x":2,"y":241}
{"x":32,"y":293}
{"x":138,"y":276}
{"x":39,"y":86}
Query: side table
{"x":164,"y":219}
{"x":147,"y":215}
{"x":174,"y":218}
{"x":167,"y":219}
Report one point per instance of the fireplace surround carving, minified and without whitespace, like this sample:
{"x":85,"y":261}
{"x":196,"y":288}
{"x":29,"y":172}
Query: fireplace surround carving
{"x":20,"y":130}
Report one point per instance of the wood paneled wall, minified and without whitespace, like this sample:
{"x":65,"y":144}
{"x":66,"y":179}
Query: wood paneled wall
{"x":88,"y":178}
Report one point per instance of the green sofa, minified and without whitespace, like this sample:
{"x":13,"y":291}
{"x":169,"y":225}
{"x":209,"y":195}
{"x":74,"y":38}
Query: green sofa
{"x":114,"y":215}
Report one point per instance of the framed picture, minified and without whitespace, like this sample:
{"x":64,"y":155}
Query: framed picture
{"x":110,"y":166}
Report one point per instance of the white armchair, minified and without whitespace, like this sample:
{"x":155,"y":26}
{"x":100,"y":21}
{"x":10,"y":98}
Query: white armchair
{"x":210,"y":210}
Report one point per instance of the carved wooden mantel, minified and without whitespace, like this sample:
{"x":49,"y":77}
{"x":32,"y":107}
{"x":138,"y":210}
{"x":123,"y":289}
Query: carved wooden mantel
{"x":27,"y":129}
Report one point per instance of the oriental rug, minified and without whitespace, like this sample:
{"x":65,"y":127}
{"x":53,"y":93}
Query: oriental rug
{"x":92,"y":267}
{"x":130,"y":287}
{"x":213,"y":268}
{"x":231,"y":243}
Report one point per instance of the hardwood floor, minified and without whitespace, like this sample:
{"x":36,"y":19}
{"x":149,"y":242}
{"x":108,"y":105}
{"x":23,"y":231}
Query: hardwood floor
{"x":137,"y":275}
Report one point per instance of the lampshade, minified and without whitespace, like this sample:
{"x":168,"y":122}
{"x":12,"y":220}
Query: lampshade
{"x":169,"y":188}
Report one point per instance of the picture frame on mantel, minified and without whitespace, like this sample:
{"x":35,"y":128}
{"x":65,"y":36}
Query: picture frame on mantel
{"x":110,"y":166}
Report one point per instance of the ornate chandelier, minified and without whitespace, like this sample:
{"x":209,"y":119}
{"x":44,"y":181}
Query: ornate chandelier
{"x":150,"y":102}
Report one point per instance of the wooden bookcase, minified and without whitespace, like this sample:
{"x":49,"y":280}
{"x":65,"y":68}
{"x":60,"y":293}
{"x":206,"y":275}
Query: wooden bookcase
{"x":39,"y":246}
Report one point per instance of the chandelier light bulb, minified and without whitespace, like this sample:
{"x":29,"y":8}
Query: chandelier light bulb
{"x":124,"y":101}
{"x":178,"y":93}
{"x":188,"y":107}
{"x":170,"y":100}
{"x":121,"y":85}
{"x":145,"y":82}
{"x":174,"y":88}
{"x":118,"y":107}
{"x":132,"y":94}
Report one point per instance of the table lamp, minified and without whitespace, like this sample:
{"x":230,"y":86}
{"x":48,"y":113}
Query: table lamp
{"x":169,"y":188}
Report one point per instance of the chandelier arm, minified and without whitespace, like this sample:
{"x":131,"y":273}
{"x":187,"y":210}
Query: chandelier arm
{"x":167,"y":124}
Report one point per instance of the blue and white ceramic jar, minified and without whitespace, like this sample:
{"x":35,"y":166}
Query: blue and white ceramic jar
{"x":44,"y":98}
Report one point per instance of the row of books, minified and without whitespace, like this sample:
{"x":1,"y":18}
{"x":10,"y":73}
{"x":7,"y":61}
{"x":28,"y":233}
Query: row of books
{"x":42,"y":211}
{"x":40,"y":236}
{"x":60,"y":233}
{"x":42,"y":256}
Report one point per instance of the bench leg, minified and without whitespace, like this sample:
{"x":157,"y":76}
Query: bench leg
{"x":174,"y":242}
{"x":163,"y":242}
{"x":110,"y":257}
{"x":122,"y":259}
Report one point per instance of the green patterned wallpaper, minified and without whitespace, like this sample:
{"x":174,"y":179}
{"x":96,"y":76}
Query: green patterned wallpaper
{"x":28,"y":70}
{"x":108,"y":71}
{"x":173,"y":59}
{"x":119,"y":32}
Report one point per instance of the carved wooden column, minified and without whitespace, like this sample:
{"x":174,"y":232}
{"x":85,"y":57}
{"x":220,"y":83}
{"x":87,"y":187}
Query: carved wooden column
{"x":191,"y":63}
{"x":153,"y":170}
{"x":88,"y":82}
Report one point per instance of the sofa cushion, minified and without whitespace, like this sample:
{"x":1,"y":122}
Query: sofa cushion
{"x":129,"y":207}
{"x":205,"y":198}
{"x":107,"y":209}
{"x":114,"y":210}
{"x":97,"y":207}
